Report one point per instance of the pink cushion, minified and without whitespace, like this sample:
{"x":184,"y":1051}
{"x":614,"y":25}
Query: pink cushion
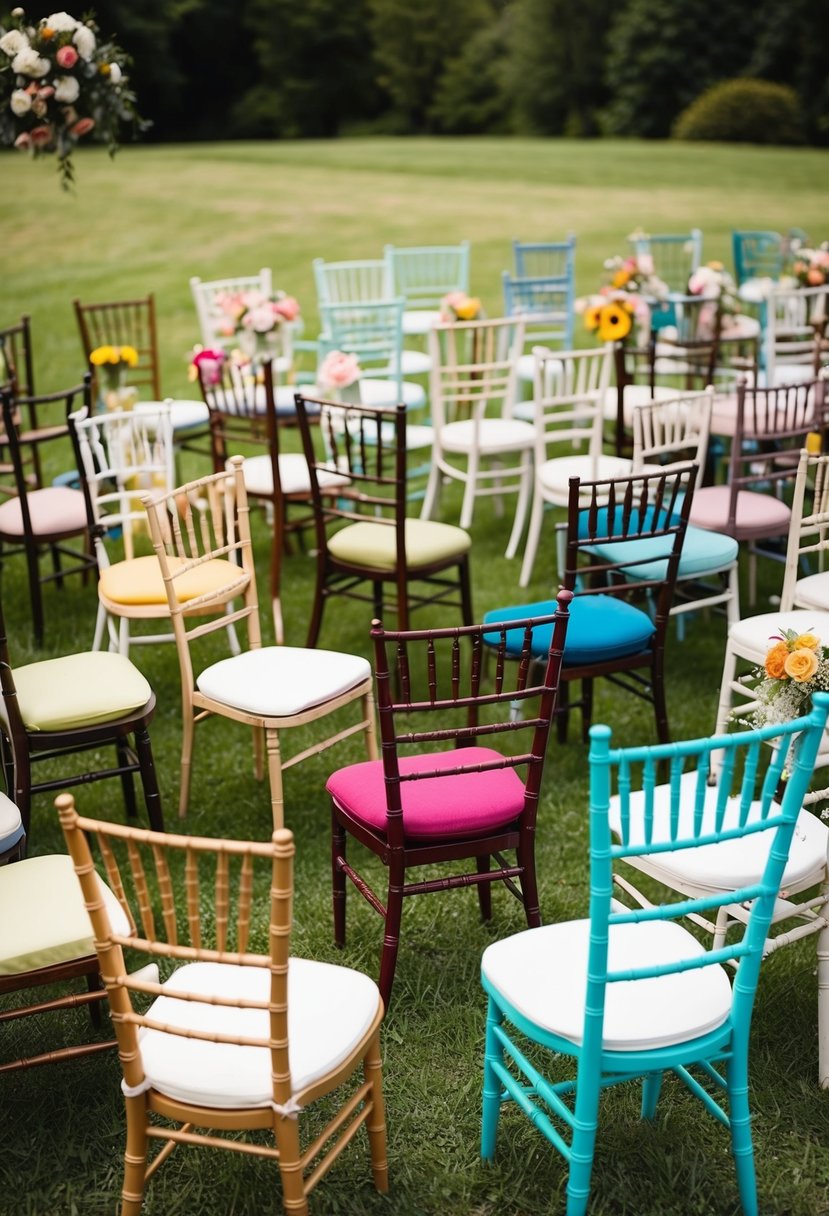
{"x":54,"y":510}
{"x":758,"y":515}
{"x":466,"y":804}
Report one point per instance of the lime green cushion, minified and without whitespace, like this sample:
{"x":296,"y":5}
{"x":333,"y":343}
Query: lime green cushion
{"x":373,"y":545}
{"x":43,"y":914}
{"x":79,"y":690}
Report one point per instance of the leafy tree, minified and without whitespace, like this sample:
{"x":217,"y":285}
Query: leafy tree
{"x":472,"y":96}
{"x":792,"y":47}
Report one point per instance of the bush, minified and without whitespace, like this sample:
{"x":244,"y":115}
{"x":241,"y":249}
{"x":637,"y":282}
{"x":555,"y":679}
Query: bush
{"x":745,"y":111}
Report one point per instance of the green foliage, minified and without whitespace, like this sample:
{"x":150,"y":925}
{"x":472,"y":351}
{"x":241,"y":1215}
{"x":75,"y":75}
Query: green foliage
{"x":743,"y":111}
{"x":472,"y":98}
{"x":792,"y":47}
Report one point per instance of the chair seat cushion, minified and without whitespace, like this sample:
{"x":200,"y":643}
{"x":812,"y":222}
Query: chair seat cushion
{"x":634,"y":396}
{"x":43,"y":915}
{"x":466,"y":804}
{"x":386,"y":393}
{"x":54,"y":511}
{"x":280,"y":681}
{"x":330,"y":1011}
{"x":554,"y":475}
{"x":373,"y":545}
{"x":293,"y":475}
{"x":79,"y":690}
{"x":601,"y":627}
{"x":184,"y":415}
{"x":542,"y":973}
{"x":752,"y":637}
{"x":494,"y":435}
{"x":415,"y":363}
{"x":730,"y":863}
{"x":813,"y":591}
{"x":139,"y":580}
{"x":417,"y":321}
{"x":702,"y":553}
{"x":11,"y":825}
{"x":758,"y":515}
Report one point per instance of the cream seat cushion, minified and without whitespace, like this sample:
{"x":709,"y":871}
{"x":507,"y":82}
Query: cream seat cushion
{"x":543,"y":974}
{"x":293,"y":475}
{"x":79,"y":690}
{"x":280,"y":681}
{"x":813,"y":591}
{"x":418,"y":321}
{"x":752,"y":636}
{"x":139,"y":580}
{"x":43,"y":915}
{"x":330,"y":1010}
{"x":494,"y":435}
{"x":52,"y":510}
{"x":554,"y":475}
{"x":185,"y":415}
{"x":373,"y":545}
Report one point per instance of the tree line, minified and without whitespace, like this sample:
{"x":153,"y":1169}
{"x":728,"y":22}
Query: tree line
{"x":208,"y":69}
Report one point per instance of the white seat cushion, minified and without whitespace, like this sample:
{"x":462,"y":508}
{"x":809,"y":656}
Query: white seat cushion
{"x":293,"y":475}
{"x":385,"y":393}
{"x":330,"y":1010}
{"x":415,"y":363}
{"x":184,"y":415}
{"x":43,"y":915}
{"x":752,"y":637}
{"x":730,"y":863}
{"x":280,"y":681}
{"x":495,"y":435}
{"x":11,"y":825}
{"x":419,"y":320}
{"x":554,"y":475}
{"x":813,"y":591}
{"x":543,"y":974}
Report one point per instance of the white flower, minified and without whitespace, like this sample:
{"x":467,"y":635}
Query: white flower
{"x":20,"y":102}
{"x":61,"y":22}
{"x":84,"y":40}
{"x":27,"y":62}
{"x":13,"y":41}
{"x":114,"y":73}
{"x":66,"y":89}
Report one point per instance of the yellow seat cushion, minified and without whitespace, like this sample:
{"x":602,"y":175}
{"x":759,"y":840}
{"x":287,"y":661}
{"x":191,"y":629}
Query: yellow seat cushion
{"x":43,"y":914}
{"x":139,"y":581}
{"x":373,"y":545}
{"x":79,"y":690}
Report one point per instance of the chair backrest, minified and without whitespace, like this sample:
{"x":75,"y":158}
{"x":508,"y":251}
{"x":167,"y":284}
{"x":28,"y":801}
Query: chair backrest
{"x":242,"y":412}
{"x":17,"y":358}
{"x":423,"y":275}
{"x":692,"y":342}
{"x":210,"y":317}
{"x":474,"y":369}
{"x":370,"y":329}
{"x":120,"y":456}
{"x":220,"y":884}
{"x":546,"y":259}
{"x":366,"y":445}
{"x":201,"y":535}
{"x":428,"y":693}
{"x":546,"y":305}
{"x":743,"y":804}
{"x":613,"y":515}
{"x":796,"y":321}
{"x":676,"y":430}
{"x":16,"y":436}
{"x":809,"y":527}
{"x":352,"y":282}
{"x":124,"y":323}
{"x":758,"y":255}
{"x":570,"y":388}
{"x":675,"y":255}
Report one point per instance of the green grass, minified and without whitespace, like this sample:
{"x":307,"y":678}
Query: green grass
{"x":148,"y":222}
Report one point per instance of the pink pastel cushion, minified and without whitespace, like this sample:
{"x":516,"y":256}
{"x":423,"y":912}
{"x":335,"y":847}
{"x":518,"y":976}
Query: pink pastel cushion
{"x":54,"y":510}
{"x":465,"y":804}
{"x":758,"y":515}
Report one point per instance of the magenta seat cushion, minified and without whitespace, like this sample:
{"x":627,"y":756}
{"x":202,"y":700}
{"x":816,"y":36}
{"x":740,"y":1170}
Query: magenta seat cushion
{"x":467,"y":804}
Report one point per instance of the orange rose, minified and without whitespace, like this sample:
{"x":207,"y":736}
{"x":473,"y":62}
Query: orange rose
{"x":801,"y":665}
{"x":776,"y":661}
{"x":807,"y":641}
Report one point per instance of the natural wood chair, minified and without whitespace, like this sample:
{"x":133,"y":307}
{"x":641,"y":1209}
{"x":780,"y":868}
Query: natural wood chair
{"x":446,"y":806}
{"x":362,"y":534}
{"x":206,"y":560}
{"x":17,"y":374}
{"x":239,"y":1036}
{"x":44,"y":518}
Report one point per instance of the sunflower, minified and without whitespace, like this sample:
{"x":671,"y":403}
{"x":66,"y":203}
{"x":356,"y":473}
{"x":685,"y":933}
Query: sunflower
{"x":593,"y":316}
{"x":614,"y":323}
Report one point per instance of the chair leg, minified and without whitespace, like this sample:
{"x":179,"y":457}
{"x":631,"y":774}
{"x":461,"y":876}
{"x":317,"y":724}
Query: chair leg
{"x":20,"y":787}
{"x":740,"y":1118}
{"x":370,"y":733}
{"x":338,"y":878}
{"x":493,"y":1053}
{"x":391,"y":939}
{"x":430,"y":497}
{"x":188,"y":741}
{"x":149,"y":778}
{"x":466,"y":592}
{"x":583,"y":1144}
{"x":520,"y":511}
{"x":275,"y":778}
{"x":563,"y":711}
{"x":100,"y":626}
{"x":286,"y":1133}
{"x":660,"y":705}
{"x":468,"y":504}
{"x":586,"y":709}
{"x":533,"y":535}
{"x":823,"y":997}
{"x":484,"y":888}
{"x":127,"y":783}
{"x":35,"y":593}
{"x":316,"y":612}
{"x":376,"y":1122}
{"x":135,"y":1157}
{"x":529,"y":881}
{"x":651,"y":1085}
{"x":124,"y":637}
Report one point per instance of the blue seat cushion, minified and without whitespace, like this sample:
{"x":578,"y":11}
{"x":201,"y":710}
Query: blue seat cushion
{"x":703,"y":553}
{"x":601,"y":627}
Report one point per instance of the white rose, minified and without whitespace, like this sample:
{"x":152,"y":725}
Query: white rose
{"x":20,"y":102}
{"x":13,"y":41}
{"x":27,"y":62}
{"x":66,"y":89}
{"x":84,"y":40}
{"x":114,"y":73}
{"x":61,"y":22}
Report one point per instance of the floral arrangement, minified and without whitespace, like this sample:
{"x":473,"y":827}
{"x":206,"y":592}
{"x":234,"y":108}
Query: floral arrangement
{"x":207,"y":363}
{"x":625,"y":298}
{"x":796,"y":665}
{"x":810,"y":267}
{"x":337,"y":371}
{"x":611,"y":317}
{"x":58,"y":83}
{"x":114,"y":362}
{"x":634,"y":275}
{"x":240,"y":312}
{"x":458,"y":306}
{"x":713,"y":280}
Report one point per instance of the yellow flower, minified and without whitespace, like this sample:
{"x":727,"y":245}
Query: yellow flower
{"x":469,"y":309}
{"x":621,"y":278}
{"x":801,"y":665}
{"x":615,"y":323}
{"x":128,"y":355}
{"x":593,"y":316}
{"x":103,"y":354}
{"x":776,"y":661}
{"x":807,"y":641}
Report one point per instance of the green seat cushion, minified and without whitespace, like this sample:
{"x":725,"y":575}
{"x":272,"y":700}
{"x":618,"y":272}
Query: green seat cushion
{"x":43,"y":914}
{"x":373,"y":545}
{"x":79,"y":690}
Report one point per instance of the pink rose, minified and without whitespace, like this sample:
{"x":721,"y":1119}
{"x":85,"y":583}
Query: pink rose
{"x":46,"y":92}
{"x":287,"y":307}
{"x":67,"y":56}
{"x":260,"y":319}
{"x":645,"y":263}
{"x":82,"y":127}
{"x":815,"y":276}
{"x":41,"y":135}
{"x":23,"y":140}
{"x":338,"y":370}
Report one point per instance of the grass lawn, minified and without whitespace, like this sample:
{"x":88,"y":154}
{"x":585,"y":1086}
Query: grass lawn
{"x":147,"y":223}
